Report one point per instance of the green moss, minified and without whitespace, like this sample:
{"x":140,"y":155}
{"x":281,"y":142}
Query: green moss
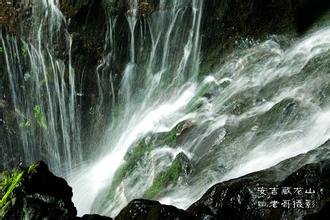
{"x":39,"y":117}
{"x":164,"y":178}
{"x":1,"y":50}
{"x":25,"y":51}
{"x":171,"y":137}
{"x":8,"y":184}
{"x":26,"y":123}
{"x":132,"y":158}
{"x":119,"y":176}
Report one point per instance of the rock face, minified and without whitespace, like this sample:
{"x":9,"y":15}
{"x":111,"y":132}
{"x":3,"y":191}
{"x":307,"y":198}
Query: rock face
{"x":151,"y":210}
{"x":242,"y":199}
{"x":35,"y":193}
{"x":266,"y":194}
{"x":227,"y":23}
{"x":94,"y":217}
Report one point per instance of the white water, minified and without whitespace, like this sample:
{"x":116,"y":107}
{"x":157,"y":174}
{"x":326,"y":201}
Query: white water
{"x":163,"y":103}
{"x":154,"y":105}
{"x":238,"y":126}
{"x":43,"y":90}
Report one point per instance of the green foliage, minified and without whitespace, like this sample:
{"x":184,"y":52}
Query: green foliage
{"x":25,"y":51}
{"x":1,"y":50}
{"x":26,"y":123}
{"x":32,"y":167}
{"x":39,"y":117}
{"x":8,"y":184}
{"x":5,"y":180}
{"x":164,"y":178}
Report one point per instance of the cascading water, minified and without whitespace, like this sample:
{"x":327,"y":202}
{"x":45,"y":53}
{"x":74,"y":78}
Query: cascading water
{"x":173,"y":132}
{"x":43,"y":90}
{"x":158,"y":83}
{"x":264,"y":105}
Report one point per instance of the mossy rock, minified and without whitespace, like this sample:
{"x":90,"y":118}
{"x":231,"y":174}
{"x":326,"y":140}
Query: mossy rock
{"x":35,"y":193}
{"x":177,"y":132}
{"x":180,"y":167}
{"x":141,"y":148}
{"x":139,"y":151}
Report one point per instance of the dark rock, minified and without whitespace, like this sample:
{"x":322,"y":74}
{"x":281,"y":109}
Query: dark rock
{"x":309,"y":11}
{"x":71,"y":7}
{"x":151,"y":210}
{"x":241,"y":199}
{"x":35,"y":193}
{"x":95,"y":217}
{"x":226,"y":23}
{"x":324,"y":213}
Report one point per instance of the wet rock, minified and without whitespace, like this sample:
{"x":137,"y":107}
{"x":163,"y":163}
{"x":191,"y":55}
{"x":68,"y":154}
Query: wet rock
{"x":180,"y":167}
{"x":35,"y":193}
{"x":72,"y":7}
{"x":309,"y":11}
{"x":231,"y":21}
{"x":151,"y":210}
{"x":94,"y":217}
{"x":144,"y":7}
{"x":242,"y":198}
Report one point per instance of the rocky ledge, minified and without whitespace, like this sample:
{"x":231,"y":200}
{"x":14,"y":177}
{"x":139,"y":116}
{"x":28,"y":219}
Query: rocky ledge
{"x":36,"y":193}
{"x":297,"y":188}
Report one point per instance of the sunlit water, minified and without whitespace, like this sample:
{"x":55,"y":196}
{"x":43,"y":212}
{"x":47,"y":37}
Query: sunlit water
{"x":265,"y":104}
{"x":262,"y":106}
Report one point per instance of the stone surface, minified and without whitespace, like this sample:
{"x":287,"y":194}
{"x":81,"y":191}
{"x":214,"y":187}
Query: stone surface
{"x":94,"y":217}
{"x":227,"y":23}
{"x":150,"y":210}
{"x":37,"y":194}
{"x":240,"y":198}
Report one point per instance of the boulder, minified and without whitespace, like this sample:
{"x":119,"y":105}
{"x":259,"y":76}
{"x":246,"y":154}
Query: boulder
{"x":281,"y":192}
{"x":150,"y":210}
{"x":35,"y":193}
{"x":94,"y":217}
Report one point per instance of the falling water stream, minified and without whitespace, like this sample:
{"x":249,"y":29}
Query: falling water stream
{"x":40,"y":84}
{"x":268,"y":102}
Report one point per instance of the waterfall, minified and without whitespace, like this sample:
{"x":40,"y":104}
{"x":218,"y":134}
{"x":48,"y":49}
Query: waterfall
{"x":172,"y":130}
{"x":265,"y":104}
{"x":43,"y":90}
{"x":158,"y":83}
